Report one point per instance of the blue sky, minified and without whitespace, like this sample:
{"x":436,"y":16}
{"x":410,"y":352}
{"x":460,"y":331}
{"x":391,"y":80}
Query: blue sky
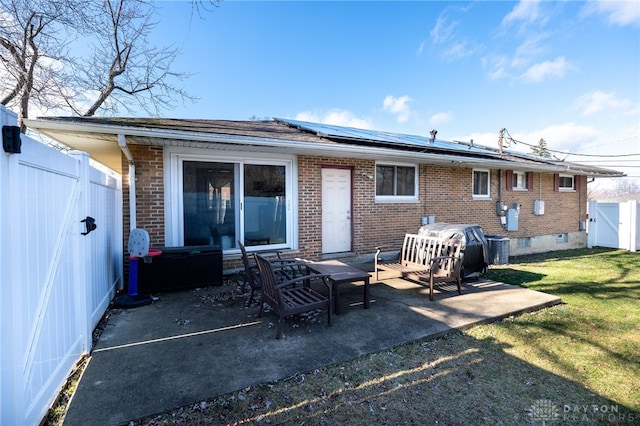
{"x":565,"y":71}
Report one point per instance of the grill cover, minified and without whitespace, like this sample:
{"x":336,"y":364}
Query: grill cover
{"x":474,"y":244}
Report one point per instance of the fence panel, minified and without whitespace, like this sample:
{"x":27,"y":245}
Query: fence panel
{"x":56,"y":282}
{"x":614,"y":225}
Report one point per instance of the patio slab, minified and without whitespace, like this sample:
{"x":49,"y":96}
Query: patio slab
{"x":194,"y":345}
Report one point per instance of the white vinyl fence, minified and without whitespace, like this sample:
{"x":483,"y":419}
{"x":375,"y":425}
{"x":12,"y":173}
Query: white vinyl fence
{"x":614,"y":225}
{"x":56,"y":283}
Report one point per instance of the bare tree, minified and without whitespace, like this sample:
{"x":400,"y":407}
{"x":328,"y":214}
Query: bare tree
{"x":37,"y":68}
{"x":33,"y":44}
{"x":619,"y":190}
{"x":124,"y":66}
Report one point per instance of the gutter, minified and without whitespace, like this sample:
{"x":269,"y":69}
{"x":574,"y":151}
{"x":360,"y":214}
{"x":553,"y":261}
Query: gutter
{"x":122,"y":143}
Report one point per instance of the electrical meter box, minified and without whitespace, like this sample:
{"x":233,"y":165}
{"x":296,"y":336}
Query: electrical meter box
{"x":538,"y":207}
{"x":512,"y":219}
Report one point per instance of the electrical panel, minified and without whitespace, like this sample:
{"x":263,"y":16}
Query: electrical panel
{"x":512,"y":219}
{"x":538,"y":207}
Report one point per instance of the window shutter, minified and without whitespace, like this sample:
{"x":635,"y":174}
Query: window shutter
{"x":556,"y":182}
{"x":529,"y":177}
{"x":509,"y":182}
{"x":576,"y":182}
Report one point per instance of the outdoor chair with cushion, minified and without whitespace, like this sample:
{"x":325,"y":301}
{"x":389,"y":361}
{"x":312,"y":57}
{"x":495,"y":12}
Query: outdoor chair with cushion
{"x":285,"y":269}
{"x":287,"y":299}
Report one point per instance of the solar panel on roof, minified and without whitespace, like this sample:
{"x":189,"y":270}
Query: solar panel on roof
{"x":412,"y":141}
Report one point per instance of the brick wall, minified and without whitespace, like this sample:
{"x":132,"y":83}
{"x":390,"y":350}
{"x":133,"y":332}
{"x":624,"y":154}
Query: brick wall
{"x":445,"y":192}
{"x":149,"y":192}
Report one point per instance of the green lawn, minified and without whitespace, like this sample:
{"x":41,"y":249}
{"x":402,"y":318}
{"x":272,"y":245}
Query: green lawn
{"x":594,"y":338}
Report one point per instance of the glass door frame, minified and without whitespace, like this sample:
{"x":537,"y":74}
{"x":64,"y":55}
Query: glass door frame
{"x":174,"y":158}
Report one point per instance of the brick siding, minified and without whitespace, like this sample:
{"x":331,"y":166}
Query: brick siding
{"x":445,"y":192}
{"x":149,"y":192}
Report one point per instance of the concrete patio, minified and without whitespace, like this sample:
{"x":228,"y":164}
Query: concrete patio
{"x":198,"y":344}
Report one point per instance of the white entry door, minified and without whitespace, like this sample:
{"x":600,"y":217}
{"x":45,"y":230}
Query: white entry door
{"x":336,"y":210}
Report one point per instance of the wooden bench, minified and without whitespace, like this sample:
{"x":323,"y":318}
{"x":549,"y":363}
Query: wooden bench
{"x":414,"y":255}
{"x":425,"y":259}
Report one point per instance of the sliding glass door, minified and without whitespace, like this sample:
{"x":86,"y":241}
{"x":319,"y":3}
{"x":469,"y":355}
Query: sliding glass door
{"x":223,"y":202}
{"x":209,"y":203}
{"x":265,"y":200}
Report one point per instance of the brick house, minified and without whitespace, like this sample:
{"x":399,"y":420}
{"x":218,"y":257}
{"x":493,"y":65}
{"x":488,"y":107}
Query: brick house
{"x":323,"y":191}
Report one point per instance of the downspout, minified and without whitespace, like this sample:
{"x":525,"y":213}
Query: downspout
{"x":499,"y":211}
{"x":122,"y":142}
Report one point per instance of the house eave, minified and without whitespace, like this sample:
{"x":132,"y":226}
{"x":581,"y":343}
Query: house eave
{"x":101,"y":142}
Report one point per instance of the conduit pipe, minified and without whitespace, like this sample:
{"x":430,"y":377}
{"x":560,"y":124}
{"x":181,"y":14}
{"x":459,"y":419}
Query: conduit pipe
{"x":122,"y":143}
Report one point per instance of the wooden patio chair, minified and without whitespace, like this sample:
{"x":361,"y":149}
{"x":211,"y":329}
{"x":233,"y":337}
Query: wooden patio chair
{"x":285,"y":269}
{"x":286,"y":299}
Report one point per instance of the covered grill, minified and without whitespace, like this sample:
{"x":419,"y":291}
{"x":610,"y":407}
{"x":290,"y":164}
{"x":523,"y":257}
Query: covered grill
{"x":474,"y":244}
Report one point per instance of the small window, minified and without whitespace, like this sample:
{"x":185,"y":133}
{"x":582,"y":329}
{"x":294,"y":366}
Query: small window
{"x":396,"y":183}
{"x":565,"y":183}
{"x":562,"y":238}
{"x":481,"y":183}
{"x":524,"y":242}
{"x":519,"y":180}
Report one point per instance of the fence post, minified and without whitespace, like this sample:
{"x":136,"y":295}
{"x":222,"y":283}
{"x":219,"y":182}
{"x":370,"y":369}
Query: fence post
{"x":633,"y":225}
{"x":592,"y":210}
{"x":83,"y":288}
{"x":11,"y":399}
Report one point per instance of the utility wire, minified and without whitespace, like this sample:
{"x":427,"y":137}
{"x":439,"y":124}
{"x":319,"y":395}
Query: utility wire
{"x":609,"y":161}
{"x":515,"y":141}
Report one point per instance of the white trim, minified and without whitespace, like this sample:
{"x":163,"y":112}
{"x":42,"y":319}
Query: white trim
{"x":388,"y":199}
{"x":523,"y":175}
{"x":486,"y":196}
{"x":174,"y":157}
{"x":561,"y":188}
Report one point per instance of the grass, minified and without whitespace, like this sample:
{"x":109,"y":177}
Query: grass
{"x":575,"y":363}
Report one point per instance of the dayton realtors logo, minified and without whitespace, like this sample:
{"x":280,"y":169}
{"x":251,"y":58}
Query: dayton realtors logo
{"x":546,"y":411}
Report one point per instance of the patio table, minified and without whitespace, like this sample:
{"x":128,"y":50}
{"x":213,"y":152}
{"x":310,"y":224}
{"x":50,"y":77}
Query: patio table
{"x":340,"y":273}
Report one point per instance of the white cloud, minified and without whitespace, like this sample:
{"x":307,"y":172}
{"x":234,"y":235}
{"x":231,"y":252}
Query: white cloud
{"x":440,"y":119}
{"x":539,"y":72}
{"x":445,"y":36}
{"x":596,"y":101}
{"x":336,"y":117}
{"x":421,"y":47}
{"x":399,"y":107}
{"x":496,"y":66}
{"x":443,"y":30}
{"x":459,"y":50}
{"x":567,"y":136}
{"x":526,"y":10}
{"x":559,"y":137}
{"x":529,"y":49}
{"x":621,"y":13}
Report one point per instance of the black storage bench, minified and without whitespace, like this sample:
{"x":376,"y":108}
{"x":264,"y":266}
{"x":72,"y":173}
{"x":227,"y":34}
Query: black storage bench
{"x":181,"y":268}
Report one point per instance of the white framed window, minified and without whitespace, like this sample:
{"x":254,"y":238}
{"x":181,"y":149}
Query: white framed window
{"x":519,"y":181}
{"x":396,"y":183}
{"x":481,"y":183}
{"x":217,"y":199}
{"x":566,"y":183}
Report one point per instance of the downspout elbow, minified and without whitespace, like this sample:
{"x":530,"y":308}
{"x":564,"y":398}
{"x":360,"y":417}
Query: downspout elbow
{"x":122,"y":143}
